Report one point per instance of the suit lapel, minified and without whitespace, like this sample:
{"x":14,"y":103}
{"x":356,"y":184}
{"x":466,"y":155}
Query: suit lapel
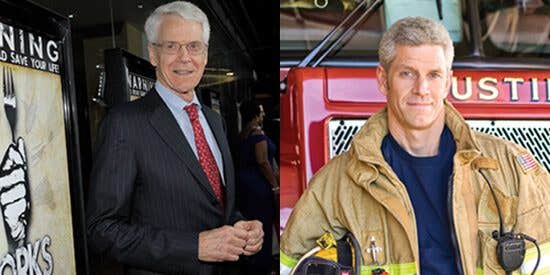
{"x":164,"y":123}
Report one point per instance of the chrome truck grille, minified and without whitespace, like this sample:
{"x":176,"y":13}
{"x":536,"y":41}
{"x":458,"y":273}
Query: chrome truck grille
{"x":531,"y":134}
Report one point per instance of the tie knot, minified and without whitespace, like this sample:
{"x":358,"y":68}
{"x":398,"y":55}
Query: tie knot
{"x":192,"y":112}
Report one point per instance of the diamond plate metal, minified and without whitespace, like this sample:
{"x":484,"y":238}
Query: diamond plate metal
{"x":341,"y":132}
{"x":531,"y":134}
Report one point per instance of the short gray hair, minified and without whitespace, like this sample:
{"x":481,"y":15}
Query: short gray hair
{"x":414,"y":31}
{"x":186,"y":10}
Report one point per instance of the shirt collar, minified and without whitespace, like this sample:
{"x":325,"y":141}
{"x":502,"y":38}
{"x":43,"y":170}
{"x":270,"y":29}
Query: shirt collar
{"x":172,"y":99}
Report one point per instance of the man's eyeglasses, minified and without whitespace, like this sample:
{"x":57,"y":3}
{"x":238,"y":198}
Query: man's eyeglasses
{"x":172,"y":47}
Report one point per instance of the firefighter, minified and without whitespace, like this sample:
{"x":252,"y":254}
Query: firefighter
{"x":421,"y":191}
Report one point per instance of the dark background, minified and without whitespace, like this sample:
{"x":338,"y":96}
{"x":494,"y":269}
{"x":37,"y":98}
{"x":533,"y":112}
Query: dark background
{"x":244,"y":41}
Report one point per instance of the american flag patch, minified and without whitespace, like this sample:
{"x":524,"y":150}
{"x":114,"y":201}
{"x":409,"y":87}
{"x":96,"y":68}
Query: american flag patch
{"x":527,"y":162}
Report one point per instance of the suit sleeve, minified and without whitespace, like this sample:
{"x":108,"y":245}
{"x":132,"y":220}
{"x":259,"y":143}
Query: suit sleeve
{"x":235,"y":217}
{"x":109,"y":228}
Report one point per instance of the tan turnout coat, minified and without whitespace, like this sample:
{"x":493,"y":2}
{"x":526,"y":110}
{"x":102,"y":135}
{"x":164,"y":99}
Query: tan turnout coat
{"x":359,"y":192}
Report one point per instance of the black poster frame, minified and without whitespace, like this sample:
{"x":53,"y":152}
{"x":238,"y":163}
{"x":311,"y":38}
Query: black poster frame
{"x":25,"y":14}
{"x":119,"y":64}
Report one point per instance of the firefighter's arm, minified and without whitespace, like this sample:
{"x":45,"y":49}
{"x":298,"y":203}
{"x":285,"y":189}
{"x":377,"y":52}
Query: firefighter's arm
{"x":312,"y":216}
{"x":533,"y":211}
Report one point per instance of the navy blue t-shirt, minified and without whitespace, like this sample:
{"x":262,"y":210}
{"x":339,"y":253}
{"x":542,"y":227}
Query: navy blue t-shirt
{"x":426,"y":180}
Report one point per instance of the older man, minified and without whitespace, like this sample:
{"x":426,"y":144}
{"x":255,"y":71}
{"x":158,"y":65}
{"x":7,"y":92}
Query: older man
{"x":161,"y":197}
{"x":419,"y":189}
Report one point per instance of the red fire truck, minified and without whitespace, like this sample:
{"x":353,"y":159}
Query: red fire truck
{"x":501,"y":80}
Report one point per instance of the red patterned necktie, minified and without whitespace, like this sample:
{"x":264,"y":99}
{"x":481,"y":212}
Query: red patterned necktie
{"x":206,"y":158}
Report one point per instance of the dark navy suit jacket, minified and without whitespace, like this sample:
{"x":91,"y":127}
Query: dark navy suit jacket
{"x":149,"y":197}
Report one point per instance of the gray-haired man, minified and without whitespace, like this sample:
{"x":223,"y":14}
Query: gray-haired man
{"x":162,"y":195}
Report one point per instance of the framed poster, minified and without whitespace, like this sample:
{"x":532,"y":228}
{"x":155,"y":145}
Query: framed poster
{"x":127,"y":77}
{"x":41,"y":205}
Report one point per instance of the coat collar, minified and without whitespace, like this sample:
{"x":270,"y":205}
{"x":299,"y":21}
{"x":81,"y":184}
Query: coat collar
{"x":366,"y":144}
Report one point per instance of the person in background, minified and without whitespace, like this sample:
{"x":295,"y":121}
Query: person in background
{"x":256,"y":181}
{"x":162,"y":190}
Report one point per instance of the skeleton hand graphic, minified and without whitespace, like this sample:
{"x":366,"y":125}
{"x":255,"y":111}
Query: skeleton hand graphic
{"x":14,"y":194}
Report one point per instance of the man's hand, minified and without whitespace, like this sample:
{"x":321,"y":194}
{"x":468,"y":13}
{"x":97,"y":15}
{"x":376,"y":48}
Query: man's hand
{"x":255,"y":236}
{"x":14,"y":193}
{"x":225,"y":243}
